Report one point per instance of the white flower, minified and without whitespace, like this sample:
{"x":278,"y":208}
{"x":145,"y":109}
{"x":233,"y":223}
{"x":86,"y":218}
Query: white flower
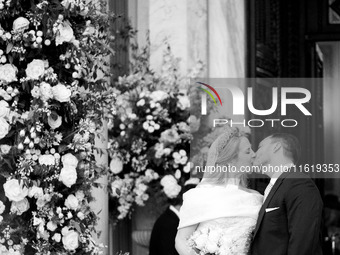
{"x":35,"y":69}
{"x":80,"y":195}
{"x":61,"y":93}
{"x":15,"y":191}
{"x":201,"y":241}
{"x":116,"y":165}
{"x":211,"y":246}
{"x":170,"y":186}
{"x":35,"y":92}
{"x":80,"y":215}
{"x":51,"y":226}
{"x":4,"y":148}
{"x":56,"y":237}
{"x":170,"y":135}
{"x":46,"y":92}
{"x":141,"y":102}
{"x":35,"y":192}
{"x":68,"y":176}
{"x":178,"y":174}
{"x":48,"y":160}
{"x":8,"y":73}
{"x":70,"y":240}
{"x":20,"y":206}
{"x":72,"y":202}
{"x":158,"y":95}
{"x":183,"y":102}
{"x":187,"y":167}
{"x":20,"y":24}
{"x":69,"y":160}
{"x":54,"y":123}
{"x":64,"y":33}
{"x":2,"y":207}
{"x":4,"y":109}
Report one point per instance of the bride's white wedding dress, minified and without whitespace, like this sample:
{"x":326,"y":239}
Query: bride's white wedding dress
{"x":230,"y":211}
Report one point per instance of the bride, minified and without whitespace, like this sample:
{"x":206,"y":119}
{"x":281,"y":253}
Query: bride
{"x":219,"y":215}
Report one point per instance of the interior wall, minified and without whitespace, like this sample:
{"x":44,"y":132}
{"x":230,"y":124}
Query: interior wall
{"x":331,"y":94}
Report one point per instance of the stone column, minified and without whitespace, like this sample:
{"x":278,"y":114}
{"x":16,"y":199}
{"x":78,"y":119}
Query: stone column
{"x":101,"y":204}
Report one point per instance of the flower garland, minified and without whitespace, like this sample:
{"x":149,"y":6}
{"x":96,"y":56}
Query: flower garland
{"x":54,"y":91}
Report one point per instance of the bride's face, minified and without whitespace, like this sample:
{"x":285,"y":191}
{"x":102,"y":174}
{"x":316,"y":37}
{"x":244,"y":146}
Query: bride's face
{"x":245,"y":155}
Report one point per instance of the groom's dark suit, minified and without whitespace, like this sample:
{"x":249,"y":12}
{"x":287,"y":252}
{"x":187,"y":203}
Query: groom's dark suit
{"x":295,"y":227}
{"x":163,"y":234}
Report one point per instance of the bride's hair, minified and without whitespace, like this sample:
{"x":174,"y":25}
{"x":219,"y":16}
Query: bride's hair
{"x":226,"y":148}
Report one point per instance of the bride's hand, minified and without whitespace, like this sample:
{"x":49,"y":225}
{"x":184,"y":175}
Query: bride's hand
{"x":181,"y":241}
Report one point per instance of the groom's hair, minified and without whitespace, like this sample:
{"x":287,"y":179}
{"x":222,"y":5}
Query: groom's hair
{"x":290,"y":144}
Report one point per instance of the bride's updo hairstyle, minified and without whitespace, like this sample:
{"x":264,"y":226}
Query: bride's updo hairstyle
{"x":223,"y":152}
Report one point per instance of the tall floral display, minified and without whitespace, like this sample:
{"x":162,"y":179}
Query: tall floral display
{"x":150,"y":137}
{"x":53,"y":92}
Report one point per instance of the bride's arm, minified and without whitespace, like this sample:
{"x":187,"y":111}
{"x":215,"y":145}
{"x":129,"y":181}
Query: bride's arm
{"x":181,"y":241}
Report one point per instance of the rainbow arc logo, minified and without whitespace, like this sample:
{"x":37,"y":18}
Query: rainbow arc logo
{"x":204,"y":97}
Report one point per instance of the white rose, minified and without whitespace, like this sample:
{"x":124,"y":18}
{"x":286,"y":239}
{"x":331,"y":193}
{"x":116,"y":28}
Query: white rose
{"x":70,"y":240}
{"x":35,"y":69}
{"x":54,"y":123}
{"x":56,"y":237}
{"x":15,"y":191}
{"x":4,"y":148}
{"x":61,"y":93}
{"x":4,"y":128}
{"x":20,"y":24}
{"x":116,"y":165}
{"x":35,"y":192}
{"x":69,"y":160}
{"x":8,"y":73}
{"x":72,"y":202}
{"x":45,"y":91}
{"x":64,"y":33}
{"x":51,"y":226}
{"x":4,"y":109}
{"x":20,"y":207}
{"x":48,"y":160}
{"x":68,"y":176}
{"x":170,"y":186}
{"x":2,"y":207}
{"x":35,"y":92}
{"x":183,"y":102}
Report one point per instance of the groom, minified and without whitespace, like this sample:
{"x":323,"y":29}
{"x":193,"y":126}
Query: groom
{"x":289,"y":222}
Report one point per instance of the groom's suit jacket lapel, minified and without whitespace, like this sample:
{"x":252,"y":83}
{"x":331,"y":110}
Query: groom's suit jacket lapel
{"x":267,"y":201}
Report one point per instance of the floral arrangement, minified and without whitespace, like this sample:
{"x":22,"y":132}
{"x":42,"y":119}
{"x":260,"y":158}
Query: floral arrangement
{"x":216,"y":238}
{"x":54,"y":69}
{"x":150,"y":137}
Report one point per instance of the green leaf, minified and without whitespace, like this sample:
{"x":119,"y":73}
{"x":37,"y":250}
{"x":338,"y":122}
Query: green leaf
{"x":9,"y":48}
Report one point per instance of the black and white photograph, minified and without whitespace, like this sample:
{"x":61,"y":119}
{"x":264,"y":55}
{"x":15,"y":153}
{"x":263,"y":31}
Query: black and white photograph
{"x":169,"y":127}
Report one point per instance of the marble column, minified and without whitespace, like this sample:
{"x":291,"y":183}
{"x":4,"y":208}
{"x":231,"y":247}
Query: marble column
{"x":101,"y":204}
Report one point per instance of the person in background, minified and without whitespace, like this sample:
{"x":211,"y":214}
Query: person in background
{"x":162,"y":241}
